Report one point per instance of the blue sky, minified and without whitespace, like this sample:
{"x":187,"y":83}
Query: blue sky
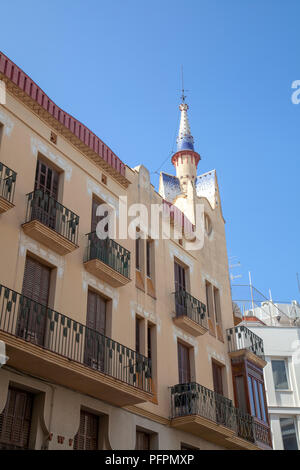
{"x":115,"y":65}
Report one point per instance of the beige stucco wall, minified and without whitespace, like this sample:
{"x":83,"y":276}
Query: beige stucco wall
{"x":25,"y":134}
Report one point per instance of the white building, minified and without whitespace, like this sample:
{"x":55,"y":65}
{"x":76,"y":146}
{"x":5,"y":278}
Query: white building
{"x":278,"y":325}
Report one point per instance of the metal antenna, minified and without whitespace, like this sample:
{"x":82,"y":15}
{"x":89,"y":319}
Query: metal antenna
{"x":183,"y":96}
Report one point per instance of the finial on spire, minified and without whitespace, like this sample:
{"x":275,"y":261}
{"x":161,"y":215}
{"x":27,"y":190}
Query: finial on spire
{"x":185,"y":139}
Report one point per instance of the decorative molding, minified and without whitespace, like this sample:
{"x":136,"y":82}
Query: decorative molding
{"x":220,"y":357}
{"x":147,"y":414}
{"x":139,"y":309}
{"x":38,"y":145}
{"x":27,"y":244}
{"x":174,"y":251}
{"x":94,"y":188}
{"x":90,"y":280}
{"x":178,"y":333}
{"x":8,"y":123}
{"x":207,"y":277}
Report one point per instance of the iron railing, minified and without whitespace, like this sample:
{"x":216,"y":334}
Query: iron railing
{"x":45,"y":209}
{"x":7,"y":182}
{"x":240,"y":337}
{"x":195,"y":399}
{"x":187,"y":305}
{"x":33,"y":322}
{"x":109,"y":252}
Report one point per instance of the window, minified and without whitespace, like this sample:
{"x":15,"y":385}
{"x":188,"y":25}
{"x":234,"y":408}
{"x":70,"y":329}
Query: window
{"x":207,"y":224}
{"x":149,"y":341}
{"x":240,"y":393}
{"x":36,"y":284}
{"x":96,"y":219}
{"x":87,"y":436}
{"x":289,"y":434}
{"x":15,"y":420}
{"x":142,"y":440}
{"x":257,"y":398}
{"x":46,"y":179}
{"x":138,"y":253}
{"x":180,"y":276}
{"x":217,"y":305}
{"x":138,"y":335}
{"x":218,"y":378}
{"x":280,"y":374}
{"x":148,"y":257}
{"x":95,"y":321}
{"x":184,"y":370}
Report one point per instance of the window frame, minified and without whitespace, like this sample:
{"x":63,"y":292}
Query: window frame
{"x":295,"y":428}
{"x":286,"y":368}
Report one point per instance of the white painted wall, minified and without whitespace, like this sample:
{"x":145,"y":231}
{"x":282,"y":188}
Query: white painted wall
{"x":281,"y":343}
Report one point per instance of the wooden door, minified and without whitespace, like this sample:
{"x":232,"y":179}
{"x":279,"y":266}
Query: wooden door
{"x":32,"y":314}
{"x":45,"y":201}
{"x":15,"y":420}
{"x":180,"y":285}
{"x":184,"y":370}
{"x":96,"y":323}
{"x":142,"y":441}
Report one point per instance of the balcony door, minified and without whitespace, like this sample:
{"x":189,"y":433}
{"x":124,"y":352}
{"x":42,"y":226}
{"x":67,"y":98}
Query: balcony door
{"x":184,"y":369}
{"x":179,"y":272}
{"x":217,"y":378}
{"x":94,"y":355}
{"x":44,"y":204}
{"x":46,"y":179}
{"x":32,"y":316}
{"x":180,"y":286}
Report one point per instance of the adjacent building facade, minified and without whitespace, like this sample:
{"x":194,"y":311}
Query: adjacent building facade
{"x":278,"y":325}
{"x":123,"y":342}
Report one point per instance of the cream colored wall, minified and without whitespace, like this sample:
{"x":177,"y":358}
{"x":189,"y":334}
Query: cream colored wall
{"x":24,"y":135}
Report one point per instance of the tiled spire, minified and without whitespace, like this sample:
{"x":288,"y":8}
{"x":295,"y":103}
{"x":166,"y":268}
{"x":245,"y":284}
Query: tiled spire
{"x":185,"y":140}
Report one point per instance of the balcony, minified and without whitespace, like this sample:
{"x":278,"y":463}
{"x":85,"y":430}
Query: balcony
{"x":107,"y":260}
{"x":45,"y":343}
{"x":50,"y":223}
{"x":244,"y":343}
{"x":190,"y":313}
{"x":7,"y":188}
{"x":204,"y":413}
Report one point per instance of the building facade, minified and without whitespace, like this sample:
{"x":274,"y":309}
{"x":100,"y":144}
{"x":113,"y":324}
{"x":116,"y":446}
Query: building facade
{"x":278,"y":325}
{"x":116,"y":343}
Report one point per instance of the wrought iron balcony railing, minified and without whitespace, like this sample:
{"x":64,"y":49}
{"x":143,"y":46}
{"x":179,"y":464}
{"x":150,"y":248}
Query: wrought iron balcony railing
{"x":194,"y":399}
{"x":7,"y":183}
{"x":187,"y":305}
{"x":45,"y":209}
{"x":22,"y":317}
{"x":109,"y":252}
{"x":240,"y":337}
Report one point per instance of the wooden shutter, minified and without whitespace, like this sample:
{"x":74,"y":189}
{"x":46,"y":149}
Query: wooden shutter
{"x":179,"y":273}
{"x":96,"y":219}
{"x":217,"y":378}
{"x":87,"y":436}
{"x":142,"y":441}
{"x":36,"y":281}
{"x":15,"y":420}
{"x":94,"y":354}
{"x":46,"y":178}
{"x":96,"y":312}
{"x":184,"y":370}
{"x":137,"y":335}
{"x":32,"y":319}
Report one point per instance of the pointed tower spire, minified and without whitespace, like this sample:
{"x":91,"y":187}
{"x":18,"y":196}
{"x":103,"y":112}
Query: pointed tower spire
{"x":185,"y":140}
{"x":185,"y":159}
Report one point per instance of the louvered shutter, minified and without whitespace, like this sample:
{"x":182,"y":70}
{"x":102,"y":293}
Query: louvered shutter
{"x":94,"y":354}
{"x":183,"y":364}
{"x":15,"y":420}
{"x":87,"y":436}
{"x":32,"y":316}
{"x":179,"y":272}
